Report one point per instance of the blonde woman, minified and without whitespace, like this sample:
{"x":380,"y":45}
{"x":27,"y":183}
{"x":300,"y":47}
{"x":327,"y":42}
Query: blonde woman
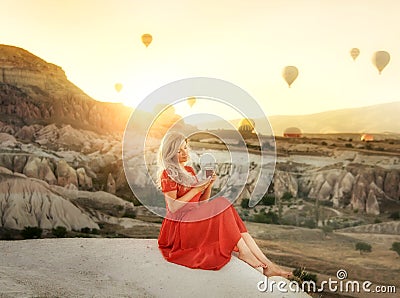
{"x":198,"y":232}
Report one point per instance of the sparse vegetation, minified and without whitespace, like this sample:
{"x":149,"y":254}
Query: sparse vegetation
{"x":31,"y":232}
{"x":268,"y":200}
{"x":85,"y":230}
{"x":245,"y":203}
{"x":327,"y":230}
{"x":59,"y":232}
{"x":270,"y":217}
{"x":395,"y":215}
{"x":309,"y":223}
{"x":287,"y":196}
{"x":300,"y":275}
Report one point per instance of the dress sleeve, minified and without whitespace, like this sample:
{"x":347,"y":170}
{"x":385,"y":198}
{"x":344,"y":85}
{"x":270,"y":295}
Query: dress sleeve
{"x":167,"y":184}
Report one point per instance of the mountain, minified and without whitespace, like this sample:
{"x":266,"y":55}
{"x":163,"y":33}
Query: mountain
{"x":380,"y":118}
{"x":33,"y":91}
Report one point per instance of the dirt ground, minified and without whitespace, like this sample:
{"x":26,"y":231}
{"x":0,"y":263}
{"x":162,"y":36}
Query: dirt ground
{"x":308,"y":248}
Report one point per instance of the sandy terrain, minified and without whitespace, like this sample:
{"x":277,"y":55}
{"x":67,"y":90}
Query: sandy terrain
{"x":79,"y":267}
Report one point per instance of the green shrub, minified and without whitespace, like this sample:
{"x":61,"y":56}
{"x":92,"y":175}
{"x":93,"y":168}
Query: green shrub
{"x":85,"y":230}
{"x":395,"y":215}
{"x":326,"y":203}
{"x":59,"y":232}
{"x":268,"y":200}
{"x":396,"y":247}
{"x":6,"y":235}
{"x":245,"y":203}
{"x":348,"y":145}
{"x":269,"y":217}
{"x":310,"y":223}
{"x":363,"y":247}
{"x":286,"y":196}
{"x":31,"y":232}
{"x":327,"y":230}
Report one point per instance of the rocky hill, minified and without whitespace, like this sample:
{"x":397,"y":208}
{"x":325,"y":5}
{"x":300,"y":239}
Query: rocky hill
{"x":33,"y":91}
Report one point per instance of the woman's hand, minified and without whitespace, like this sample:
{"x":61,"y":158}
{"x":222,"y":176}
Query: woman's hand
{"x":213,"y":178}
{"x":202,"y":187}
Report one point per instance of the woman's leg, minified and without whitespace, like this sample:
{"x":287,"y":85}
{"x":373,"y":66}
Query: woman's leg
{"x":272,"y":269}
{"x":247,"y":256}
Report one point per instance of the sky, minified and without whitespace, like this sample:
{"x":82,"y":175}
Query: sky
{"x":248,"y":43}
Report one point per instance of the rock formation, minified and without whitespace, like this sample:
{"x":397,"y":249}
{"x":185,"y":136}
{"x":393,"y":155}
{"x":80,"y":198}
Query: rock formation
{"x":27,"y":202}
{"x":40,"y":168}
{"x":66,"y":174}
{"x":34,"y":91}
{"x":110,"y":184}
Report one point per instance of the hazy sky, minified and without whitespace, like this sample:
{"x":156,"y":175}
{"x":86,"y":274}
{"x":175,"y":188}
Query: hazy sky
{"x":98,"y":43}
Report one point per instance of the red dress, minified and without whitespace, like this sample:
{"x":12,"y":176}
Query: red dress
{"x":205,"y":244}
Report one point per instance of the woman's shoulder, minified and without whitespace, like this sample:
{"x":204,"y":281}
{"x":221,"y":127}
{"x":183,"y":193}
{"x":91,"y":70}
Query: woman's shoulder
{"x":164,"y":174}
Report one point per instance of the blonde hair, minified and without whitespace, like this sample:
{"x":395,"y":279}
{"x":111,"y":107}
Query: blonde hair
{"x":168,"y":160}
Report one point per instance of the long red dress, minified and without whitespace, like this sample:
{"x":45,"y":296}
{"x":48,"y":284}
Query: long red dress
{"x":205,"y":244}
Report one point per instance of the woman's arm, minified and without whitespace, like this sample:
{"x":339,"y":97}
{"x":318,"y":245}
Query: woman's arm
{"x":175,"y":203}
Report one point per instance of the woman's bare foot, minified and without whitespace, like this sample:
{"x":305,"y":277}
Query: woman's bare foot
{"x":250,"y":259}
{"x":274,"y":270}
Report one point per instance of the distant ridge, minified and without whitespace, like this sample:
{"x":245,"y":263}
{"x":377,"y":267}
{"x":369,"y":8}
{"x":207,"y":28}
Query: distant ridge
{"x":381,"y":118}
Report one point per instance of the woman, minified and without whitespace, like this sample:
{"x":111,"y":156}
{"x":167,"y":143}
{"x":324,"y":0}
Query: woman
{"x":198,"y":232}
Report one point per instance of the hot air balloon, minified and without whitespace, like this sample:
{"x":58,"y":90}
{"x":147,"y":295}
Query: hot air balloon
{"x":292,"y":132}
{"x":118,"y":87}
{"x":290,"y":74}
{"x":146,"y":39}
{"x":354,"y":53}
{"x":191,"y":101}
{"x":380,"y":59}
{"x":246,"y":125}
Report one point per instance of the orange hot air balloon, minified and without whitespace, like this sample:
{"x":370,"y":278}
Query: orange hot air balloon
{"x":290,"y":74}
{"x":380,"y":59}
{"x":354,"y":53}
{"x":118,"y":87}
{"x":147,"y":39}
{"x":191,"y":101}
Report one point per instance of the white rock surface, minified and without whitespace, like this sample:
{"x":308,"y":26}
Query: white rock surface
{"x":116,"y":268}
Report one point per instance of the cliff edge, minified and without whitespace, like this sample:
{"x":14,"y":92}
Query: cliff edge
{"x":103,"y":267}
